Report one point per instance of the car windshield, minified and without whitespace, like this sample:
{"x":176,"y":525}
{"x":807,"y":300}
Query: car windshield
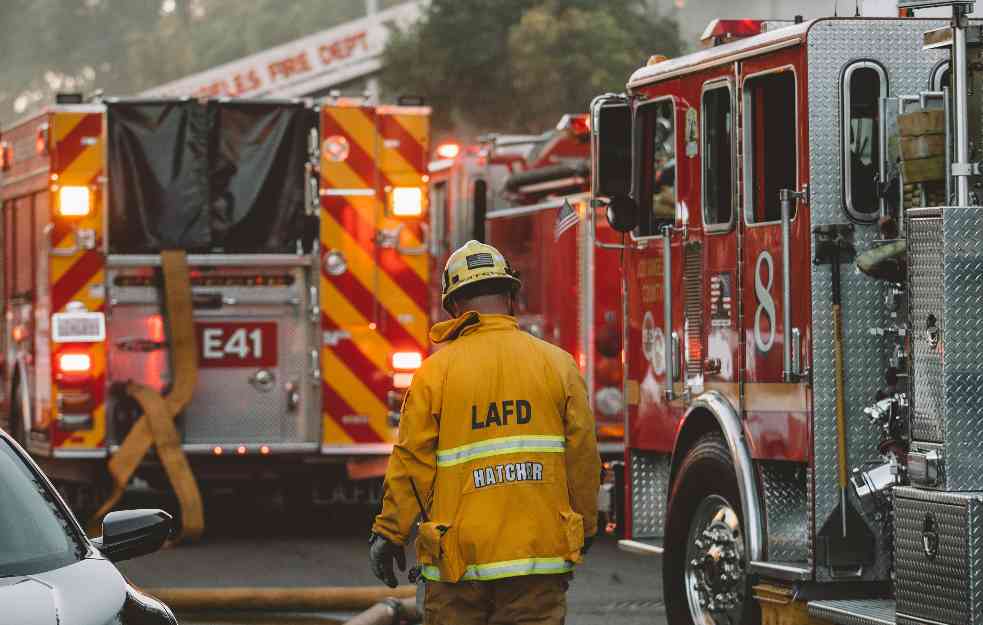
{"x":35,"y":535}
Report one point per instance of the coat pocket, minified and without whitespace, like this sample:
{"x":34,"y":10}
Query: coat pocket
{"x":573,"y":530}
{"x":437,"y":546}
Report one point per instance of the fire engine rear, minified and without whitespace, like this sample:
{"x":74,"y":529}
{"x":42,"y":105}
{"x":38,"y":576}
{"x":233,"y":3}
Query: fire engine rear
{"x":303,"y":237}
{"x":803,"y":382}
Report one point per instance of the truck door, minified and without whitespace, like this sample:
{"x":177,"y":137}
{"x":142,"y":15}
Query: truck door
{"x":375,"y":268}
{"x":655,"y":314}
{"x":718,"y":199}
{"x":775,"y":287}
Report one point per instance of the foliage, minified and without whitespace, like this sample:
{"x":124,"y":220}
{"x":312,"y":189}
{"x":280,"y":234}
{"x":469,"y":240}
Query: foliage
{"x":126,"y":46}
{"x":518,"y":66}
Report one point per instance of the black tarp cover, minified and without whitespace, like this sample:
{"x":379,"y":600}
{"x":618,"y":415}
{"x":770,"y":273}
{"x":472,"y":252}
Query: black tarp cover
{"x":206,"y":177}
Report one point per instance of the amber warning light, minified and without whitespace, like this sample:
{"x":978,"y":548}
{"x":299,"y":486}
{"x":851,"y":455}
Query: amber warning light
{"x":407,"y":202}
{"x":74,"y":201}
{"x":407,"y":360}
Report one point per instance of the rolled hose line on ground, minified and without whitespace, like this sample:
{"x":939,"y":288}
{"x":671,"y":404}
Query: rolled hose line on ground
{"x":156,"y":425}
{"x":309,"y":599}
{"x":389,"y":612}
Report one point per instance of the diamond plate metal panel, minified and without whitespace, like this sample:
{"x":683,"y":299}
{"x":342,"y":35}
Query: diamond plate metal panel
{"x":925,"y":285}
{"x":946,"y":278}
{"x":831,"y":46}
{"x":810,"y":506}
{"x":854,"y":611}
{"x":961,"y":343}
{"x":786,"y":515}
{"x":649,"y":494}
{"x":944,"y":588}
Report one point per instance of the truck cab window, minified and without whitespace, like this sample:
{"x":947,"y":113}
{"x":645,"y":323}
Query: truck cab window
{"x":770,"y":129}
{"x":657,"y":196}
{"x":864,"y":83}
{"x":718,"y":171}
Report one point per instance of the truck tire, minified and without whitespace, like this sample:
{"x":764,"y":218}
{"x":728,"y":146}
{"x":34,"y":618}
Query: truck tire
{"x":704,"y":563}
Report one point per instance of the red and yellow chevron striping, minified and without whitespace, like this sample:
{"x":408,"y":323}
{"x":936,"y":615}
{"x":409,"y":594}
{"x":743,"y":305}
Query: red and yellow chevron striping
{"x":378,"y":304}
{"x":77,"y":275}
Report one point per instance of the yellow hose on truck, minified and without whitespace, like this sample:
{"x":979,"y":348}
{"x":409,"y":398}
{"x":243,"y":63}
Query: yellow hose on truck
{"x":156,"y":425}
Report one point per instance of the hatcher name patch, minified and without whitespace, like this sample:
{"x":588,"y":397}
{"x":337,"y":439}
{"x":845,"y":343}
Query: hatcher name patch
{"x":506,"y":473}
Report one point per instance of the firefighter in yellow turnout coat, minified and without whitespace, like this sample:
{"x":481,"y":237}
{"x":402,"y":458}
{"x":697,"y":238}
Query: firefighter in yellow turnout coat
{"x":496,"y":454}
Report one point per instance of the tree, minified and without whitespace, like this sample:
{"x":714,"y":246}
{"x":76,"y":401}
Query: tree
{"x":520,"y":66}
{"x":126,"y":46}
{"x":457,"y":57}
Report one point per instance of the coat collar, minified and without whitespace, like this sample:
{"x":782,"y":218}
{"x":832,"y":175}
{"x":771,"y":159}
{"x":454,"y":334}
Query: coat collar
{"x":470,"y":323}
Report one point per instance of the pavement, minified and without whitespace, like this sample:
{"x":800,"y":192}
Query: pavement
{"x":251,"y":541}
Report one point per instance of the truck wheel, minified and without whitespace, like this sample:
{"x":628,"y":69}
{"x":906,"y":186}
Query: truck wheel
{"x":704,"y":565}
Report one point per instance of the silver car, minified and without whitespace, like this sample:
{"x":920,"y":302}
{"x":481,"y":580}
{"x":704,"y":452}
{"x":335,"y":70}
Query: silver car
{"x":51,"y":573}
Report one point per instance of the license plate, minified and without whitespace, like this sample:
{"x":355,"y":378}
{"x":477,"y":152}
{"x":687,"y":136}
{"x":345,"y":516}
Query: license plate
{"x":237,"y":344}
{"x":78,"y":327}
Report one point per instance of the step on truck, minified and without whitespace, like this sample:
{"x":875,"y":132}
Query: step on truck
{"x":303,"y":229}
{"x":803,"y":269}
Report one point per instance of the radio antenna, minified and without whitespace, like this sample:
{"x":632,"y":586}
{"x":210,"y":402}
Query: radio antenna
{"x":835,"y":5}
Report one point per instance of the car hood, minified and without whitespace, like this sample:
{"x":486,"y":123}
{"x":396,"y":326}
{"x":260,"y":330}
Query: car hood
{"x":90,"y":592}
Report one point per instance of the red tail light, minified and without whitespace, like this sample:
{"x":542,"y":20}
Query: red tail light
{"x":74,"y":363}
{"x":448,"y":150}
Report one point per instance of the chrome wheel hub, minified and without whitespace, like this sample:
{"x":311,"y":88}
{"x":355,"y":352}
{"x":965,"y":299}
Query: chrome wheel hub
{"x":715,"y":564}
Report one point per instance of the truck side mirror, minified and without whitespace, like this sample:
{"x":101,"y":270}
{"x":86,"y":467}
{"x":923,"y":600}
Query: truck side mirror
{"x":611,"y":160}
{"x":622,"y":212}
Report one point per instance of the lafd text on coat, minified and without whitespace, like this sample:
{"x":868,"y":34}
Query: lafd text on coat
{"x":501,"y":413}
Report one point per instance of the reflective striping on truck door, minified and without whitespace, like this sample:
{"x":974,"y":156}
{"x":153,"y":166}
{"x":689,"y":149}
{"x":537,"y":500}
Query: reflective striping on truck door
{"x":74,"y":275}
{"x":377,"y":304}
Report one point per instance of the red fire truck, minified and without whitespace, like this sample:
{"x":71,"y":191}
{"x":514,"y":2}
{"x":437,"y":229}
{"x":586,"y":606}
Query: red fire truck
{"x":305,"y":239}
{"x":528,"y":196}
{"x":803,"y":438}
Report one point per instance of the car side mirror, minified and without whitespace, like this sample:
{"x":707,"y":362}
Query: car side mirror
{"x":622,"y":213}
{"x":132,"y":533}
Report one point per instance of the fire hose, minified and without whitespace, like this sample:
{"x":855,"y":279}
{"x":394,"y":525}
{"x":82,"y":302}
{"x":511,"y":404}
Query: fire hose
{"x":388,"y":612}
{"x":301,"y":599}
{"x":156,"y":425}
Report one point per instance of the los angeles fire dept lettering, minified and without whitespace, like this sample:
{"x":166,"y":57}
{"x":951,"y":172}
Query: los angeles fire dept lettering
{"x":508,"y":472}
{"x":521,"y":409}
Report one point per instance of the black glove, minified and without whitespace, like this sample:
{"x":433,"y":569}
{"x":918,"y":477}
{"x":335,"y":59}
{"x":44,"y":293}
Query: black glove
{"x":382,"y":552}
{"x":588,"y":541}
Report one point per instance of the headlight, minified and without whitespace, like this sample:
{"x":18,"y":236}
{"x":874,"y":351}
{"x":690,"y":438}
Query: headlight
{"x":609,"y":401}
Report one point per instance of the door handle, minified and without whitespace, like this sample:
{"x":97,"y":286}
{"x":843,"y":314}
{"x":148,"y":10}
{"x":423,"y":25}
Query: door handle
{"x":787,"y":197}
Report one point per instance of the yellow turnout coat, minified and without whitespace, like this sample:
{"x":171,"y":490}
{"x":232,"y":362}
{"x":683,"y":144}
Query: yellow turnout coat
{"x":497,"y":438}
